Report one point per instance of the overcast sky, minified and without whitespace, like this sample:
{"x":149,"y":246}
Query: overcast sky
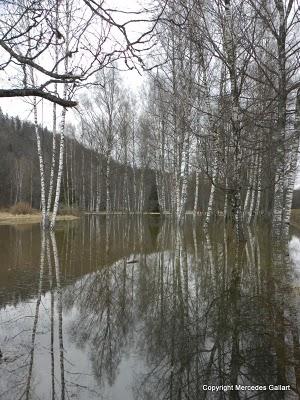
{"x":22,"y":107}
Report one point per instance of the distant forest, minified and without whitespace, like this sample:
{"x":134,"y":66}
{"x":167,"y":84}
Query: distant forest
{"x":84,"y":176}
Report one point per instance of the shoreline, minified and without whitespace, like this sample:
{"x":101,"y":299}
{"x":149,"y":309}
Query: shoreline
{"x":7,"y":218}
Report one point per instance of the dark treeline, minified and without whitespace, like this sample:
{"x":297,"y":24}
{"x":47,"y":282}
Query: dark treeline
{"x":84,"y":179}
{"x":84,"y":175}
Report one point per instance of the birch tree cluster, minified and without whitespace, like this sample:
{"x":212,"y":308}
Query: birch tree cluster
{"x":50,"y":50}
{"x":224,"y":105}
{"x":218,"y":124}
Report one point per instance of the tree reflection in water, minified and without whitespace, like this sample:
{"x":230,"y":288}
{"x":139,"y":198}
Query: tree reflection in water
{"x":178,"y":307}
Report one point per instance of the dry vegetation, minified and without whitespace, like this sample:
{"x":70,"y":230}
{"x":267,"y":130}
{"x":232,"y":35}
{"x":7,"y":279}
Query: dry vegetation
{"x":21,"y":208}
{"x":23,"y":213}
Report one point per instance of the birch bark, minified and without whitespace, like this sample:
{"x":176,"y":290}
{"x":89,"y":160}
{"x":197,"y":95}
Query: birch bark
{"x":62,"y":122}
{"x":54,"y":118}
{"x":291,"y":175}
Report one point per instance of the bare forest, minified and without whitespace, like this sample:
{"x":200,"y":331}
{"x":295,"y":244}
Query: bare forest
{"x":214,"y":129}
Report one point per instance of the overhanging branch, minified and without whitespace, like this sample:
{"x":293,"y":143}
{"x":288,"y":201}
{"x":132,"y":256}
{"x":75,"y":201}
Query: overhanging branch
{"x":37,"y":93}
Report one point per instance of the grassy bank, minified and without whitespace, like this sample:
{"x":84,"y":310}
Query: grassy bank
{"x":7,"y":218}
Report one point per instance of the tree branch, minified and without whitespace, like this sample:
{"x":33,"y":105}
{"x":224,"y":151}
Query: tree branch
{"x":37,"y":93}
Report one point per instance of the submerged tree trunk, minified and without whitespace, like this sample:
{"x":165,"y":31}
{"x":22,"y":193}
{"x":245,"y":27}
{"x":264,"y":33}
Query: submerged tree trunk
{"x":211,"y":195}
{"x":277,"y":221}
{"x":235,"y":187}
{"x":197,"y":178}
{"x":291,"y":175}
{"x":107,"y":184}
{"x":60,"y":164}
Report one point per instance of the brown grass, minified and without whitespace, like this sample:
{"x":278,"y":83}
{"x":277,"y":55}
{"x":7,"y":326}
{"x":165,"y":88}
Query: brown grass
{"x":21,"y":208}
{"x":7,"y":218}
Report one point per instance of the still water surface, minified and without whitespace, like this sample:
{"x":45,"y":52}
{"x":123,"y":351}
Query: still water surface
{"x":134,"y":308}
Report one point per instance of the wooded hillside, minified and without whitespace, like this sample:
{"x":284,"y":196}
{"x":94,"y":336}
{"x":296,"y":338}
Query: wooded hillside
{"x":84,"y":176}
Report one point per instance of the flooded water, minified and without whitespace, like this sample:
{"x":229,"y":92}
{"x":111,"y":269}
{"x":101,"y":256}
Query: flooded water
{"x":134,"y":308}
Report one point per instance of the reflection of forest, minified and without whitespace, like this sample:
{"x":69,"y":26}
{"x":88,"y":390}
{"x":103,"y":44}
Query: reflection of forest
{"x":198,"y":310}
{"x":80,"y":245}
{"x":191,"y":309}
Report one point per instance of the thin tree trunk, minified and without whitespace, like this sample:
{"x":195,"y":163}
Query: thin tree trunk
{"x":291,"y":176}
{"x":60,"y":165}
{"x":45,"y":217}
{"x":108,"y":204}
{"x":54,"y":118}
{"x":258,"y":198}
{"x":62,"y":125}
{"x":211,"y":196}
{"x":197,"y":178}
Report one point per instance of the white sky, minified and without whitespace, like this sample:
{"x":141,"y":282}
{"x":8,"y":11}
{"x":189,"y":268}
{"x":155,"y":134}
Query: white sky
{"x":22,"y":107}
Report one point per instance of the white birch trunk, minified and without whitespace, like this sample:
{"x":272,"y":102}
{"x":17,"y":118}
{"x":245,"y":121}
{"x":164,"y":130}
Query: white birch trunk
{"x":45,"y":216}
{"x":258,"y":198}
{"x":72,"y":173}
{"x":225,"y":202}
{"x":291,"y":176}
{"x":211,"y":194}
{"x":62,"y":127}
{"x":142,"y":194}
{"x":108,"y":205}
{"x":97,"y":190}
{"x":54,"y":118}
{"x":251,"y":207}
{"x":66,"y":177}
{"x":53,"y":161}
{"x":277,"y":221}
{"x":235,"y":124}
{"x":91,"y":184}
{"x":249,"y":189}
{"x":158,"y":187}
{"x":60,"y":168}
{"x":254,"y":194}
{"x":83,"y":202}
{"x":196,"y":193}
